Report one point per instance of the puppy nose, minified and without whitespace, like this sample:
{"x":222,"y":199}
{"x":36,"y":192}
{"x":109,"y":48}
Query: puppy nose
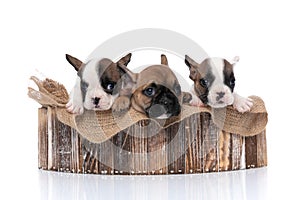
{"x":96,"y":100}
{"x":220,"y":95}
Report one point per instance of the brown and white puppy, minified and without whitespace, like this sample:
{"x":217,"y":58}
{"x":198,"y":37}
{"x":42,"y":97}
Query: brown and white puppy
{"x":96,"y":85}
{"x":156,"y":91}
{"x":214,"y":84}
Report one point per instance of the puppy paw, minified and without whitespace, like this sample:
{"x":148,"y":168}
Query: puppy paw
{"x":74,"y":108}
{"x":187,"y":97}
{"x":242,"y":104}
{"x":196,"y":102}
{"x":121,"y":105}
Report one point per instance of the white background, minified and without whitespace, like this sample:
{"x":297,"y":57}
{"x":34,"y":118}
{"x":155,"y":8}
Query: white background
{"x":35,"y":36}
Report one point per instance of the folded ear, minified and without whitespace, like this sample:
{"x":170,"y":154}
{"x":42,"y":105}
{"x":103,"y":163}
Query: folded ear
{"x":235,"y":60}
{"x":192,"y":66}
{"x":76,"y":63}
{"x":125,"y":60}
{"x":164,"y":60}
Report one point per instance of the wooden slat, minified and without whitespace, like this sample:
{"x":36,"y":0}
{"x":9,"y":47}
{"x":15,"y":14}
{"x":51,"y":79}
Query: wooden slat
{"x":256,"y":151}
{"x":43,"y":138}
{"x":225,"y":148}
{"x":236,"y":152}
{"x":75,"y":163}
{"x":193,"y":145}
{"x":262,"y":158}
{"x":210,"y":134}
{"x":157,"y":158}
{"x":53,"y":132}
{"x":176,"y":148}
{"x":64,"y":147}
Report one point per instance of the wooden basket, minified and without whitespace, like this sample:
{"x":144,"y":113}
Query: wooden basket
{"x":194,"y":145}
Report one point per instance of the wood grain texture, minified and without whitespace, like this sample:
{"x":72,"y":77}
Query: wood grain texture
{"x":42,"y":138}
{"x":194,"y":145}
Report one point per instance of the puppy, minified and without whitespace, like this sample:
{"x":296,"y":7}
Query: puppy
{"x":214,"y":84}
{"x":155,"y":91}
{"x":96,"y":85}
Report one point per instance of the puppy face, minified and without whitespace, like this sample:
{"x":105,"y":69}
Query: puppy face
{"x":214,"y":81}
{"x":98,"y":82}
{"x":155,"y":95}
{"x":156,"y":91}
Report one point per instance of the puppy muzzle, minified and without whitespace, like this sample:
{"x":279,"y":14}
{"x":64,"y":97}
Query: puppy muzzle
{"x":220,"y":96}
{"x":164,"y":106}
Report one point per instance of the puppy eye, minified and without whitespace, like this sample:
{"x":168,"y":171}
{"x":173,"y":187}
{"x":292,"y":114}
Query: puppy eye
{"x":203,"y":82}
{"x":150,"y":91}
{"x":110,"y":86}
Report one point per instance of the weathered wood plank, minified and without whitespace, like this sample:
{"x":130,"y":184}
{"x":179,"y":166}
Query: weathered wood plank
{"x":193,"y":145}
{"x":176,"y":148}
{"x":75,"y":152}
{"x":52,"y":140}
{"x":157,"y":159}
{"x":256,"y":151}
{"x":64,"y":147}
{"x":262,"y":158}
{"x":42,"y":138}
{"x":210,"y":134}
{"x":225,"y":147}
{"x":237,"y":142}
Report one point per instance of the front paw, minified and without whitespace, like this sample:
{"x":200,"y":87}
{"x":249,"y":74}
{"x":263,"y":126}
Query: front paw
{"x":187,"y":97}
{"x":121,"y":105}
{"x":74,"y":108}
{"x":242,"y":104}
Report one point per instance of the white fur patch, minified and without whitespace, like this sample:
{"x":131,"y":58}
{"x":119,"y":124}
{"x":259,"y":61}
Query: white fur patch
{"x":164,"y":116}
{"x":217,"y":66}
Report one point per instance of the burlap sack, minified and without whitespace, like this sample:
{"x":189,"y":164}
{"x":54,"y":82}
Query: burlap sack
{"x":101,"y":125}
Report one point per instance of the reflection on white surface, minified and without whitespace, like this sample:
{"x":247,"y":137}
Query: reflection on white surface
{"x":243,"y":184}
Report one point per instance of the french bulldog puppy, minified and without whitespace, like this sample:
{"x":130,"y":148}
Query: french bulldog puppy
{"x":155,"y":91}
{"x":96,"y":85}
{"x":214,"y":83}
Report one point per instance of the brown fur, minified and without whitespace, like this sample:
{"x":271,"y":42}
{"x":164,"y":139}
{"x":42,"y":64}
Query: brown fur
{"x":75,"y":62}
{"x":197,"y":71}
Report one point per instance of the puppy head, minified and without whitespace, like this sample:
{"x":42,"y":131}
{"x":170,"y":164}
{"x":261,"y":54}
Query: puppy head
{"x":99,"y":81}
{"x":214,"y":80}
{"x":156,"y":91}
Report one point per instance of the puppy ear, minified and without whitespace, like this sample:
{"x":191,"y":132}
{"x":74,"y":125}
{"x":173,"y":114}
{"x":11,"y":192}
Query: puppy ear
{"x":192,"y":66}
{"x":235,"y":60}
{"x":125,"y":60}
{"x":164,"y":60}
{"x":76,"y":63}
{"x":190,"y":62}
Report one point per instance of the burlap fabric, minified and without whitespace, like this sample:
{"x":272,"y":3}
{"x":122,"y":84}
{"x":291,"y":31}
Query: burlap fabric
{"x":101,"y":125}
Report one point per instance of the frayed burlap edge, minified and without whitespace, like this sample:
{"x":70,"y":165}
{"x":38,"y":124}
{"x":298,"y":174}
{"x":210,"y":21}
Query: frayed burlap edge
{"x":99,"y":126}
